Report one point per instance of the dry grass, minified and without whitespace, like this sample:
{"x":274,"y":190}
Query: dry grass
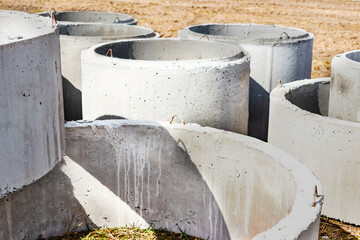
{"x":125,"y":233}
{"x":329,"y":229}
{"x":336,"y":230}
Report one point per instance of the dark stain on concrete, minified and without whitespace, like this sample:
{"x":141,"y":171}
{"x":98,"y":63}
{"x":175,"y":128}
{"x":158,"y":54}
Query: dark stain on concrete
{"x":342,"y":85}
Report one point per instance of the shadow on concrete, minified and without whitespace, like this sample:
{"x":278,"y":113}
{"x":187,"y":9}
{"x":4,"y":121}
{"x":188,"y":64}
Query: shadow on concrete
{"x":42,"y":209}
{"x":305,"y":98}
{"x":109,"y":117}
{"x":152,"y":173}
{"x":72,"y":101}
{"x":259,"y":102}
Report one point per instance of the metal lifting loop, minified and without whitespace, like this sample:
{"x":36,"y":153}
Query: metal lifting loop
{"x":287,"y":35}
{"x":220,"y":21}
{"x":317,"y":195}
{"x":205,"y":36}
{"x":116,"y":20}
{"x":172,"y":119}
{"x":52,"y":12}
{"x":109,"y":51}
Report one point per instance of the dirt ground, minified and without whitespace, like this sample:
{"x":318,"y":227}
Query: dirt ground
{"x":334,"y":23}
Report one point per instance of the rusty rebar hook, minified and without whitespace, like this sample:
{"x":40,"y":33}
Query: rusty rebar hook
{"x":172,"y":119}
{"x":316,"y":195}
{"x":52,"y":12}
{"x":205,"y":36}
{"x":109,"y":51}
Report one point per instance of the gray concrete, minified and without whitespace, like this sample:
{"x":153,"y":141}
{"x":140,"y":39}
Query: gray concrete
{"x":31,"y":109}
{"x":204,"y":82}
{"x":277,"y":54}
{"x":70,"y":17}
{"x":344,"y":101}
{"x":208,"y":182}
{"x":77,"y":37}
{"x":328,"y":146}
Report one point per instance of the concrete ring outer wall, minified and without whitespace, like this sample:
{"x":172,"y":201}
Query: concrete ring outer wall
{"x":32,"y":135}
{"x":84,"y":17}
{"x":328,"y":146}
{"x":206,"y":91}
{"x":272,"y":60}
{"x":77,"y":37}
{"x":344,"y":101}
{"x":195,"y":181}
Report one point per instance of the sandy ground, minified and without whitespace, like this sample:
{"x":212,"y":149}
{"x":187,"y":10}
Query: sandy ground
{"x":334,"y":23}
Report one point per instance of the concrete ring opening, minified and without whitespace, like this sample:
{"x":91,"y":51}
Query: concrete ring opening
{"x":207,"y":182}
{"x":355,"y":56}
{"x":32,"y":125}
{"x":155,"y":79}
{"x":108,"y":31}
{"x":77,"y":37}
{"x":91,"y":17}
{"x":344,"y":100}
{"x":278,"y":54}
{"x":250,"y":32}
{"x":327,"y":146}
{"x":170,"y":50}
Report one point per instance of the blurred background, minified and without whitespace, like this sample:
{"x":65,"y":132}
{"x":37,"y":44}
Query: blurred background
{"x":334,"y":23}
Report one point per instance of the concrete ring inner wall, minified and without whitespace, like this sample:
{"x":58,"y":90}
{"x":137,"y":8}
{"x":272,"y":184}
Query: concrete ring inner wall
{"x":77,"y":37}
{"x":31,"y":103}
{"x":344,"y":101}
{"x":277,"y":53}
{"x":154,"y":79}
{"x":170,"y":50}
{"x":250,"y":32}
{"x":91,"y":17}
{"x":209,"y":183}
{"x":328,"y":146}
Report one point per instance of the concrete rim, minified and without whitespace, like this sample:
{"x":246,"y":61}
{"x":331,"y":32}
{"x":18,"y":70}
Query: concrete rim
{"x":351,"y":58}
{"x":87,"y":31}
{"x":241,"y":56}
{"x":279,"y":95}
{"x":302,"y":208}
{"x":300,"y":37}
{"x":39,"y":26}
{"x":123,"y":18}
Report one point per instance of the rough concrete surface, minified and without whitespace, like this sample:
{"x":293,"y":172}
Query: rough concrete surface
{"x":344,"y":101}
{"x":31,"y":108}
{"x":77,"y":37}
{"x":328,"y":146}
{"x":208,"y":182}
{"x":277,"y":54}
{"x":204,"y":82}
{"x":71,"y":17}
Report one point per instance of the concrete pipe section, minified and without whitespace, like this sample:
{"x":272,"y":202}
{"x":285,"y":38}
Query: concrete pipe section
{"x":328,"y":146}
{"x":344,"y":101}
{"x":203,"y":82}
{"x":77,"y":37}
{"x":71,"y":17}
{"x":31,"y":109}
{"x":277,"y":54}
{"x":208,"y":183}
